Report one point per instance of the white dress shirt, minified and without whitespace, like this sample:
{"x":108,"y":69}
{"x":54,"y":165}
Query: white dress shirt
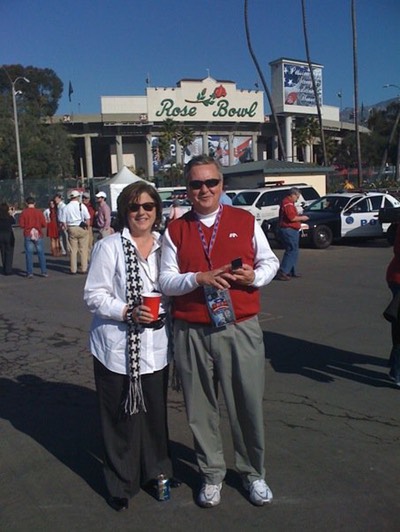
{"x":175,"y":283}
{"x":105,"y":295}
{"x":74,"y":213}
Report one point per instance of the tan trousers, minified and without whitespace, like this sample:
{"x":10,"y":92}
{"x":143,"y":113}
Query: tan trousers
{"x":233,"y":357}
{"x":78,"y":239}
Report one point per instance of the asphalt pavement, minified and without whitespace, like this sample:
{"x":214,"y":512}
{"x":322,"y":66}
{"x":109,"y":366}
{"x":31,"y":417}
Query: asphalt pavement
{"x":331,"y":414}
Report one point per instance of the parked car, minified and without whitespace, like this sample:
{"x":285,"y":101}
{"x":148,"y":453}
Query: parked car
{"x":264,"y":202}
{"x":341,"y":215}
{"x":233,"y":193}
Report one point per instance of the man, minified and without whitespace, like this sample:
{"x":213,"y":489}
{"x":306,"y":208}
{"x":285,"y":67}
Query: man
{"x":58,"y":200}
{"x":87,"y":203}
{"x":103,"y":216}
{"x":32,"y":221}
{"x":74,"y":217}
{"x":289,"y":227}
{"x":198,"y":249}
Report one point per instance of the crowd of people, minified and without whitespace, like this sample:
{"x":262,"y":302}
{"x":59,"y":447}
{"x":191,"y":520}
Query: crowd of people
{"x":69,"y":228}
{"x":206,"y":271}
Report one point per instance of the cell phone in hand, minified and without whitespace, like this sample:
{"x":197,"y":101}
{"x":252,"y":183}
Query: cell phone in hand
{"x":236,"y":263}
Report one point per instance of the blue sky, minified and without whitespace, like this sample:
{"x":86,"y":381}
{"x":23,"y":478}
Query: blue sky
{"x":109,"y":47}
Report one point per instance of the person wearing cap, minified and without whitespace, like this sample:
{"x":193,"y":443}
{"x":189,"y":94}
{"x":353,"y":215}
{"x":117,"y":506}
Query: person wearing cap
{"x":103,"y":215}
{"x":88,"y":204}
{"x":76,"y":217}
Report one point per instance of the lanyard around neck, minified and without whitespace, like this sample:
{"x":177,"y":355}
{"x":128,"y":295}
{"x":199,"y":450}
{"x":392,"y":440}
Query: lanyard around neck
{"x":208,"y":248}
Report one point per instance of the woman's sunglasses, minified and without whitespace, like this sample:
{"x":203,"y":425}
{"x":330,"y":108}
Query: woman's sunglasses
{"x":134,"y":207}
{"x":196,"y":184}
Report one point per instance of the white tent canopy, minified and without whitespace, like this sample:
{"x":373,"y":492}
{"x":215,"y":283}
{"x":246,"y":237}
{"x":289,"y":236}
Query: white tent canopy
{"x":114,"y":186}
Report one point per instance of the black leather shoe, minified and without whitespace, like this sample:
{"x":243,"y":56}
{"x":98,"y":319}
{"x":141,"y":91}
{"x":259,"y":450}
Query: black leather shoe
{"x":175,"y":482}
{"x":280,"y":276}
{"x":118,"y":504}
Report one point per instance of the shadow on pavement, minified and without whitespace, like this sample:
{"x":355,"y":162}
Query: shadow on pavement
{"x":61,"y":417}
{"x":323,"y":363}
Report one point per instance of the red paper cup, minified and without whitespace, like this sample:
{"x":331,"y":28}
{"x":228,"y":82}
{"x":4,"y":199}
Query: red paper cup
{"x":152,"y":300}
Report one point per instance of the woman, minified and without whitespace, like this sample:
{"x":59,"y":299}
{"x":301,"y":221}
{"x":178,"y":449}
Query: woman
{"x":52,"y":228}
{"x":7,"y":240}
{"x":130,"y":350}
{"x":393,"y":281}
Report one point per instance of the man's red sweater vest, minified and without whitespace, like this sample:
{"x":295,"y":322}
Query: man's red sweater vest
{"x":234,"y":239}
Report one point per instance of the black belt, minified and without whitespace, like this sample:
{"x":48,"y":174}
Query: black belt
{"x":157,"y":324}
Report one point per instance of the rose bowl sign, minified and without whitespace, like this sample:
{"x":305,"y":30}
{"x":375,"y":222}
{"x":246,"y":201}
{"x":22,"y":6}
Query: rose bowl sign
{"x":205,"y":101}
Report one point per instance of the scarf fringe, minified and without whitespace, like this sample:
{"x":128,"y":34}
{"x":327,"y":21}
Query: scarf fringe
{"x":134,"y":402}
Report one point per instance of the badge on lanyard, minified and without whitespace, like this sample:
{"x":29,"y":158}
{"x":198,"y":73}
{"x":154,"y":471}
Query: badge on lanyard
{"x":218,"y":301}
{"x":219,"y":305}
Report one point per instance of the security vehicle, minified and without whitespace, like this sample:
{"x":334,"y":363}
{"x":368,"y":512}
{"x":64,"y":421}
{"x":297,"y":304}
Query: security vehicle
{"x":341,"y":215}
{"x":264,"y":202}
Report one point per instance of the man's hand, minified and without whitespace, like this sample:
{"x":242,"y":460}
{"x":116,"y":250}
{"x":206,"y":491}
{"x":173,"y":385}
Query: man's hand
{"x":244,"y":275}
{"x":218,"y":278}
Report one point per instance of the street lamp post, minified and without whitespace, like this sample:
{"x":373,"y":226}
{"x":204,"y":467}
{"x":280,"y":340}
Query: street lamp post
{"x":392,"y":134}
{"x":20,"y":176}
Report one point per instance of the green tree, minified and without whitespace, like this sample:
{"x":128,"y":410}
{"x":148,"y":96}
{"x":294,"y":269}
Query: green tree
{"x":185,"y":137}
{"x":172,"y":131}
{"x":307,"y":130}
{"x":46,"y":149}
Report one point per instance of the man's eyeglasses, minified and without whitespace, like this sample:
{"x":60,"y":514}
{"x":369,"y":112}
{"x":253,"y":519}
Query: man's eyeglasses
{"x":196,"y":184}
{"x":134,"y":207}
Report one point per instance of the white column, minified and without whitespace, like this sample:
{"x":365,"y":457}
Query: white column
{"x":88,"y":156}
{"x":254,"y":147}
{"x":120,"y":152}
{"x":178,"y":151}
{"x":205,"y":143}
{"x":288,"y":138}
{"x":149,"y":156}
{"x":308,"y":154}
{"x":231,"y":149}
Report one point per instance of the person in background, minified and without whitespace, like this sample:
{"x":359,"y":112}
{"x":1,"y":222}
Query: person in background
{"x":75,"y":217}
{"x":7,"y":239}
{"x":63,"y":235}
{"x":393,"y":281}
{"x":175,"y":211}
{"x":225,"y":199}
{"x":88,"y":204}
{"x":289,"y":230}
{"x":32,"y":221}
{"x":103,"y":215}
{"x":348,"y":185}
{"x":130,"y":349}
{"x":52,"y":228}
{"x":217,"y":336}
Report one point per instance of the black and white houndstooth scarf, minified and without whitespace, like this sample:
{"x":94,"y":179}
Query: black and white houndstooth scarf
{"x":134,"y":402}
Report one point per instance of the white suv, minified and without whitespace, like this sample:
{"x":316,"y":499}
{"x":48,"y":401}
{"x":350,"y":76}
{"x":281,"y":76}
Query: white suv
{"x":264,"y":202}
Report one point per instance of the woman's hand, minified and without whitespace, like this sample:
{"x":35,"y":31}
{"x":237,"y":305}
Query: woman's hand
{"x":142,"y":314}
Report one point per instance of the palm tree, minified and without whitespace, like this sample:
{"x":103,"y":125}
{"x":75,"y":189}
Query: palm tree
{"x":185,"y":137}
{"x":316,"y":95}
{"x":267,"y":91}
{"x":355,"y":73}
{"x":306,"y":133}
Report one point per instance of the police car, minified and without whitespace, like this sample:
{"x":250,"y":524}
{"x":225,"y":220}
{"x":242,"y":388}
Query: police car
{"x":342,"y":215}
